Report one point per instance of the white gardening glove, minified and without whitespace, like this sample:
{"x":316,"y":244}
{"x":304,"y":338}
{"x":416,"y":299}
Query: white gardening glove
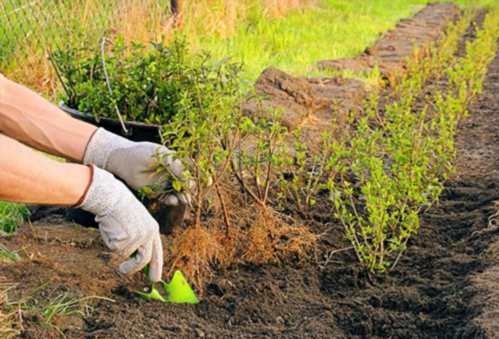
{"x":125,"y":224}
{"x":133,"y":161}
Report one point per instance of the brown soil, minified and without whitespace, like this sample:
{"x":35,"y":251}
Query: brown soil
{"x":445,"y":286}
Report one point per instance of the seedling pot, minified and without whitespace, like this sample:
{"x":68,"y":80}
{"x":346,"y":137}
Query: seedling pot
{"x":168,"y":217}
{"x":136,"y":131}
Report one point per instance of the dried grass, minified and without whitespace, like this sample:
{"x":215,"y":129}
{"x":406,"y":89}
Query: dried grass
{"x":36,"y":73}
{"x":9,"y":322}
{"x":136,"y":20}
{"x":223,"y":17}
{"x":143,"y":21}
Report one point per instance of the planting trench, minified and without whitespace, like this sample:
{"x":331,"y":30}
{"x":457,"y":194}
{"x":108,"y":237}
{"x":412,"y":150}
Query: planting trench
{"x":445,"y":286}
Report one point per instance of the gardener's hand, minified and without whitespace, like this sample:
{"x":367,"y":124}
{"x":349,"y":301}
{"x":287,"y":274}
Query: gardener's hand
{"x":125,"y":224}
{"x":133,"y":161}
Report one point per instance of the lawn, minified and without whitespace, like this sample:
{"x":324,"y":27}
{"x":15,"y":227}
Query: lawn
{"x":328,"y":30}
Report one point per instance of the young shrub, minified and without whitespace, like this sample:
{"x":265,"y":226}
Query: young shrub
{"x":395,"y":166}
{"x":140,"y":83}
{"x":205,"y":130}
{"x":261,"y":154}
{"x":307,"y":167}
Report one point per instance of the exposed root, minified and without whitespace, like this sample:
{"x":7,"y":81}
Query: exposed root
{"x":195,"y":252}
{"x":259,"y":237}
{"x":270,"y":239}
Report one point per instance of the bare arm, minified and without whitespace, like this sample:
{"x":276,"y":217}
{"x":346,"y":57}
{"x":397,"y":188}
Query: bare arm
{"x":29,"y":177}
{"x":32,"y":120}
{"x":125,"y":225}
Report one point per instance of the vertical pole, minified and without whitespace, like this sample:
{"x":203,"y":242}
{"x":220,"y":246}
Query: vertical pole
{"x":176,"y":8}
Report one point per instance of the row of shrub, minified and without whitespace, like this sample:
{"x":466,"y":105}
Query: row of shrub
{"x":395,"y":162}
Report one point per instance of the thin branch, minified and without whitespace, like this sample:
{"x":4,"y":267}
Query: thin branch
{"x":108,"y":83}
{"x":241,"y":181}
{"x":224,"y":209}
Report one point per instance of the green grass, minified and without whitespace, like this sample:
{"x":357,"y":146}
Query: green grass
{"x":332,"y":29}
{"x":7,"y":255}
{"x":45,"y":307}
{"x":11,"y":215}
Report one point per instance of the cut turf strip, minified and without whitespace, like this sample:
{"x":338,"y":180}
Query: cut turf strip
{"x":310,"y":104}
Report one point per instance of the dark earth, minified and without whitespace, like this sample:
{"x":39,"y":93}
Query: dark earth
{"x":446,"y":286}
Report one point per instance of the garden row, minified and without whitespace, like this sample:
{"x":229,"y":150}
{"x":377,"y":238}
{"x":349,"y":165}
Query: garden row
{"x":395,"y":162}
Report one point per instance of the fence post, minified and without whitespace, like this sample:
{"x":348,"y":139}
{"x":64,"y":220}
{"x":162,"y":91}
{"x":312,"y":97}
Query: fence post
{"x":176,"y":8}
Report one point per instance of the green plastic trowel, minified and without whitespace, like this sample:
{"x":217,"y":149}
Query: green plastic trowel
{"x":178,"y":291}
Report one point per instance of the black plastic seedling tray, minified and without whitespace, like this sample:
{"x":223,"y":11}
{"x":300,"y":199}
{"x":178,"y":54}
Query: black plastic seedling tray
{"x":167,"y":217}
{"x":136,"y":131}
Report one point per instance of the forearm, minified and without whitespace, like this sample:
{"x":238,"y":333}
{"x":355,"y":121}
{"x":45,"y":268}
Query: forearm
{"x":29,"y":118}
{"x":29,"y":177}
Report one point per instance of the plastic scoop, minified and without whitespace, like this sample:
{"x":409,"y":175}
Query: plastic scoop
{"x":178,"y":291}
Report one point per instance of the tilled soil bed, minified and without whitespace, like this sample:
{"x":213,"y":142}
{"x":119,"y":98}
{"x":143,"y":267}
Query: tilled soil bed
{"x":445,"y":286}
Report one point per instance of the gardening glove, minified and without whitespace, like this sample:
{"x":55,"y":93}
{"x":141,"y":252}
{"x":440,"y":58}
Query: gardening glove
{"x":124,"y":223}
{"x":133,"y":161}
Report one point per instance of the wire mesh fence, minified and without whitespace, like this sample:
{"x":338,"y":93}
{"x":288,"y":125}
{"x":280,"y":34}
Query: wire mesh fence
{"x":29,"y":27}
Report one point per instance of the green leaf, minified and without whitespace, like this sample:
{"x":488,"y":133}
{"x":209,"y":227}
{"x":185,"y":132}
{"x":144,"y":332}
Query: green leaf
{"x":177,"y":185}
{"x":152,"y":295}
